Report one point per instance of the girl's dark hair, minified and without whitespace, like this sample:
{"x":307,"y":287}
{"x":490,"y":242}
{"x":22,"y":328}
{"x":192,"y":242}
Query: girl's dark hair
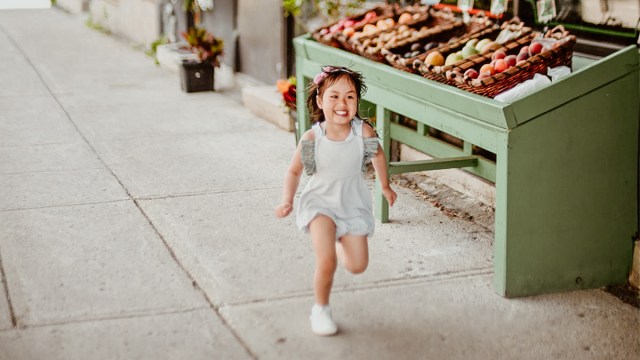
{"x":328,"y":76}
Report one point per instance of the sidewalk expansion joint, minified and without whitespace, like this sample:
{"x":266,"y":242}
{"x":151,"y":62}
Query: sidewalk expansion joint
{"x":196,"y":286}
{"x":65,"y":205}
{"x":195,"y":283}
{"x":133,"y":315}
{"x":376,"y":285}
{"x":206,"y":192}
{"x":51,"y":171}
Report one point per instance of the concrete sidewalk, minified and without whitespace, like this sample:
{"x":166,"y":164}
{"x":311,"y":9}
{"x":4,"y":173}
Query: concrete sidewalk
{"x":136,"y":222}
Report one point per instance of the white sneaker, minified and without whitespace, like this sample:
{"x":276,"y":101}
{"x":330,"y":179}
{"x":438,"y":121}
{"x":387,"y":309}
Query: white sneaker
{"x":321,"y":322}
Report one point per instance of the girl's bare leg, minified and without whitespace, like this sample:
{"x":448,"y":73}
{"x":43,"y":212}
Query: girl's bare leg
{"x":323,"y":237}
{"x":354,"y":251}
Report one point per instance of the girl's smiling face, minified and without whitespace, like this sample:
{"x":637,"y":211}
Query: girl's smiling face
{"x":339,"y":102}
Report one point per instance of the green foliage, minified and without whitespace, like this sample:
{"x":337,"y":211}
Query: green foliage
{"x":329,"y":10}
{"x":153,"y":48}
{"x":96,"y":26}
{"x":208,"y":47}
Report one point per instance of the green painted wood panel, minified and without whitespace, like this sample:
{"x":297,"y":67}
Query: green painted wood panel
{"x":571,"y":189}
{"x":401,"y":167}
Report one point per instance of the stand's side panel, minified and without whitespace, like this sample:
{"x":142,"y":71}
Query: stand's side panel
{"x":571,"y":194}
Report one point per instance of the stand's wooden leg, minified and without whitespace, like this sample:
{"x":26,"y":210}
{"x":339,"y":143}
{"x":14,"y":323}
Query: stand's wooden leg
{"x":382,"y":126}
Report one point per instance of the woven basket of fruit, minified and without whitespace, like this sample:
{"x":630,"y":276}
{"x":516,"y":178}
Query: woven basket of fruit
{"x":421,"y":25}
{"x":402,"y":24}
{"x":492,"y":73}
{"x":327,"y":34}
{"x":455,"y":52}
{"x":403,"y":57}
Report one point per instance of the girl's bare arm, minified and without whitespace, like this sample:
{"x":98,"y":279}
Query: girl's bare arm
{"x":292,"y":179}
{"x":380,"y":166}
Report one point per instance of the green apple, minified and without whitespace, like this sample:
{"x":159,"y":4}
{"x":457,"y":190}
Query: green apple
{"x":472,"y":42}
{"x":468,"y":51}
{"x":452,"y":58}
{"x":480,"y":44}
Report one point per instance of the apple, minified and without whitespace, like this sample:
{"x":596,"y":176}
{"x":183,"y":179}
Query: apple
{"x":535,"y":48}
{"x":405,"y":18}
{"x":483,"y":75}
{"x":349,"y":23}
{"x":524,"y":49}
{"x":369,"y":29}
{"x":452,"y":58}
{"x":480,"y":44}
{"x":471,"y":73}
{"x":501,"y":65}
{"x":490,"y":46}
{"x":511,"y":60}
{"x":468,"y":51}
{"x":434,"y":58}
{"x":487,"y":69}
{"x":472,"y":42}
{"x":349,"y":31}
{"x":370,"y":16}
{"x":522,"y":56}
{"x":499,"y":54}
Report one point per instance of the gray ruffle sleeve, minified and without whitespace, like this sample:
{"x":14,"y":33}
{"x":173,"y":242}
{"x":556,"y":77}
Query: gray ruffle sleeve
{"x":370,"y":149}
{"x":308,"y":156}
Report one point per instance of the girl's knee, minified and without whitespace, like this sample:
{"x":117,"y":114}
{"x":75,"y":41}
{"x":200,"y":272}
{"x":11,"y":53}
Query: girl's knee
{"x":357,"y":267}
{"x":327,"y":265}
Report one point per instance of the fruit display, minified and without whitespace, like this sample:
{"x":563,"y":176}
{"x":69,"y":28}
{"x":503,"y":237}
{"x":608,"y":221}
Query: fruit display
{"x":515,"y":62}
{"x":476,"y":55}
{"x":468,"y":48}
{"x":416,"y":23}
{"x":350,"y":25}
{"x":447,"y":41}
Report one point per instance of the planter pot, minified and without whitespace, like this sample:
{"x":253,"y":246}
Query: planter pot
{"x":196,"y":76}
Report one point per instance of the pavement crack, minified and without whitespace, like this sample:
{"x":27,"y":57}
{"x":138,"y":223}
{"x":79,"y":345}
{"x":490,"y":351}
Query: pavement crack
{"x":5,"y":285}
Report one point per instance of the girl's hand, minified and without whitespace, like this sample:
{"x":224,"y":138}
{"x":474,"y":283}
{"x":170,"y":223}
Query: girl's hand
{"x":283,"y":210}
{"x":390,"y":195}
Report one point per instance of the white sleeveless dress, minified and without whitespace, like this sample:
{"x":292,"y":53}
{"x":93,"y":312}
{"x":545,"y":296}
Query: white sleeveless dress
{"x":337,"y":187}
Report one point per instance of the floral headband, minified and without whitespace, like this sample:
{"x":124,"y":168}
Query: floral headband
{"x":326,"y":70}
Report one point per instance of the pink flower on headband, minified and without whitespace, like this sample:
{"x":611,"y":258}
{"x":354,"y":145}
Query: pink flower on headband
{"x":321,"y":76}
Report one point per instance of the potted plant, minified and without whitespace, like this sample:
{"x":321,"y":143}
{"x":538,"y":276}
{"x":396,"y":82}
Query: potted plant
{"x":199,"y":75}
{"x":287,"y":88}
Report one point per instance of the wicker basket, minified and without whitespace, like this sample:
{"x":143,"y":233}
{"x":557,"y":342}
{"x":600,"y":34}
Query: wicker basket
{"x":356,"y":44}
{"x":479,"y":26}
{"x":559,"y":54}
{"x":383,"y":11}
{"x":433,"y":23}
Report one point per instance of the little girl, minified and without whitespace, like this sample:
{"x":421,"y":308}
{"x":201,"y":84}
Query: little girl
{"x":335,"y":206}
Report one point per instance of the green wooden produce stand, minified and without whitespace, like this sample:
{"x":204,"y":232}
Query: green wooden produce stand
{"x":565,"y":174}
